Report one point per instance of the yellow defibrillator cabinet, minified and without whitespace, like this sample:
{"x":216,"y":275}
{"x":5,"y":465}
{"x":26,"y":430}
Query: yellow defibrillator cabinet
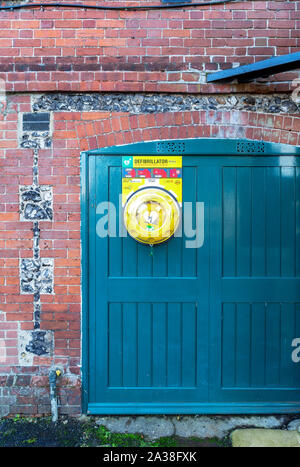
{"x":152,"y":197}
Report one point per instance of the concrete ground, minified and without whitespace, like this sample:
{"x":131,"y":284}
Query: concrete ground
{"x":258,"y":438}
{"x":199,"y":426}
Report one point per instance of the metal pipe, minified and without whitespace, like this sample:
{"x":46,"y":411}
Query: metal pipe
{"x":53,"y":374}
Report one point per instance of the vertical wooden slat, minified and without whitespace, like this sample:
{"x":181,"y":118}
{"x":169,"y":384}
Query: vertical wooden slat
{"x":287,"y":221}
{"x":243,"y":220}
{"x":144,"y":260}
{"x":115,"y":345}
{"x":101,"y":275}
{"x":287,"y":332}
{"x":130,"y":258}
{"x":228,"y":344}
{"x":273,"y":341}
{"x":258,"y":345}
{"x":189,"y":194}
{"x":243,"y":355}
{"x":229,"y":221}
{"x":174,"y":345}
{"x":159,"y":260}
{"x":130,"y":333}
{"x":115,"y":243}
{"x":273,"y":214}
{"x":144,"y":344}
{"x":159,"y":344}
{"x":189,"y":344}
{"x":174,"y":259}
{"x":258,"y":221}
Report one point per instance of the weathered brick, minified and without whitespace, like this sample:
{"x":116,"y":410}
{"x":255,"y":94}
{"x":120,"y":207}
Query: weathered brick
{"x":23,"y":380}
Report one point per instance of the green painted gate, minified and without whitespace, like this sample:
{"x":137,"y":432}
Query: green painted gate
{"x":196,"y":330}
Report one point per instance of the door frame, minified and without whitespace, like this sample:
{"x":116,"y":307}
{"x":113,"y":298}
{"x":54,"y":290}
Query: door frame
{"x":208,"y":147}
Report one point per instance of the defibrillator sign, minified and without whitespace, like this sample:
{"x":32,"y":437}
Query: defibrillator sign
{"x":152,"y":161}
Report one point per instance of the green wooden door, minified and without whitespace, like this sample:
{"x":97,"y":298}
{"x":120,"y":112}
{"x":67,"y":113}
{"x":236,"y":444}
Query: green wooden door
{"x":196,"y":330}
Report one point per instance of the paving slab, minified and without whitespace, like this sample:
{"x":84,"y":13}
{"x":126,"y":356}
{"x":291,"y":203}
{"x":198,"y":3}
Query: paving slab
{"x":200,"y":426}
{"x":152,"y":427}
{"x":256,"y":437}
{"x":219,"y":427}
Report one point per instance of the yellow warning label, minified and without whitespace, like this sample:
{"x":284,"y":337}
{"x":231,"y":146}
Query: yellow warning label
{"x":152,"y":161}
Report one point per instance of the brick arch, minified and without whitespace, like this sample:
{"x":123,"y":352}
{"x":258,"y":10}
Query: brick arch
{"x":96,"y":130}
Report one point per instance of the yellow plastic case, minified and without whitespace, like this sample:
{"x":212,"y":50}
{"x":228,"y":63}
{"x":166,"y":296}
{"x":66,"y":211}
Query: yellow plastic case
{"x":151,"y":215}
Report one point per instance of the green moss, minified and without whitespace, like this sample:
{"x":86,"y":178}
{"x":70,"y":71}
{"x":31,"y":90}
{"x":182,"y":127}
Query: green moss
{"x":166,"y":442}
{"x":30,"y":441}
{"x":106,"y":438}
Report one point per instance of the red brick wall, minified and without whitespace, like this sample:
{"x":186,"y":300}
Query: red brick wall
{"x":154,"y":51}
{"x":77,"y":50}
{"x":60,"y":238}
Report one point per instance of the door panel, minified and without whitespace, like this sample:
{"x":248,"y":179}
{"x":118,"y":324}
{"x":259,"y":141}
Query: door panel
{"x":199,"y":329}
{"x":261,"y":228}
{"x":261,"y":334}
{"x":148,"y":344}
{"x":150,"y":315}
{"x":258,"y":293}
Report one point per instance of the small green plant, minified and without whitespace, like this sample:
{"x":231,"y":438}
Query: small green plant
{"x":166,"y":442}
{"x":119,"y":439}
{"x":30,"y":441}
{"x":104,"y":437}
